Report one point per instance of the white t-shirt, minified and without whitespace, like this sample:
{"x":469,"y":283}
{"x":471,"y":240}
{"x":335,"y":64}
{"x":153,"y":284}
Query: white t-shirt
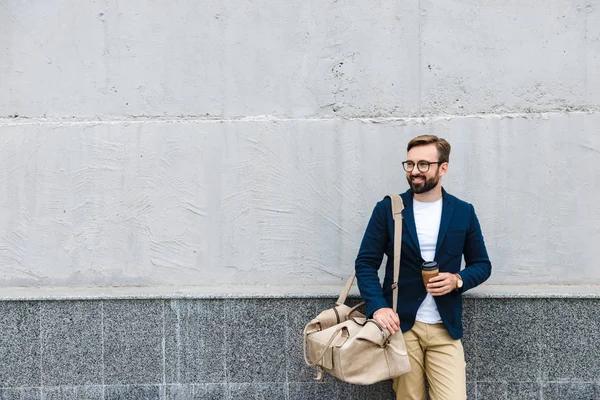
{"x":427,"y":220}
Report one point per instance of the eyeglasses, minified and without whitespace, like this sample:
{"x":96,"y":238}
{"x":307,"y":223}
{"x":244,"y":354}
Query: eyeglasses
{"x":422,"y":166}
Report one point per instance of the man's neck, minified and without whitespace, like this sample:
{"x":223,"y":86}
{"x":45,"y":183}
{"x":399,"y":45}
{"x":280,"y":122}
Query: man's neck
{"x":433,"y":195}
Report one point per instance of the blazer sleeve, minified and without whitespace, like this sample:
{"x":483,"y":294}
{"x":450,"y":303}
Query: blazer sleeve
{"x":478,"y":267}
{"x":370,"y":255}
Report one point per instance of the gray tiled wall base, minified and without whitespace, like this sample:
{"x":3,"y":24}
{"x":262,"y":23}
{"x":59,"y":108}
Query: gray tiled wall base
{"x":542,"y":349}
{"x":234,"y":391}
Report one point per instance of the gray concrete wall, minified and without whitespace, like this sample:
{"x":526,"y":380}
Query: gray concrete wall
{"x":246,"y":143}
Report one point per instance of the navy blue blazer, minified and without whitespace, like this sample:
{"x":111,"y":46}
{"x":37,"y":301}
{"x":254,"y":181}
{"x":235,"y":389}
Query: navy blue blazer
{"x":459,"y":234}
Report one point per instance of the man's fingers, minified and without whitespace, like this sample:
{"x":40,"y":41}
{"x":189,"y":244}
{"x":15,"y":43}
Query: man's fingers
{"x":390,"y":326}
{"x":440,"y":291}
{"x":393,"y":328}
{"x":394,"y":323}
{"x":436,"y":284}
{"x":437,"y":278}
{"x":388,"y":319}
{"x":439,"y":284}
{"x":440,"y":288}
{"x":442,"y":284}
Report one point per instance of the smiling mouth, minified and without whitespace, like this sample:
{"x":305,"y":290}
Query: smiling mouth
{"x":417,"y":180}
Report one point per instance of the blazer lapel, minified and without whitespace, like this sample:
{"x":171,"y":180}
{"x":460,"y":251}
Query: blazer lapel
{"x":447,"y":210}
{"x":408,"y":215}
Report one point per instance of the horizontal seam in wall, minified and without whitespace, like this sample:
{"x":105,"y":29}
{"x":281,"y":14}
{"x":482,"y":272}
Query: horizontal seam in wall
{"x":571,"y":382}
{"x":79,"y":120}
{"x":221,"y":296}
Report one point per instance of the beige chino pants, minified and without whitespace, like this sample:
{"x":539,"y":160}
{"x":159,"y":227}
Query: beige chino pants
{"x":437,"y":356}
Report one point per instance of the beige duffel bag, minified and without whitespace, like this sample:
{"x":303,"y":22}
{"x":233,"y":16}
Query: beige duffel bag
{"x":342,"y":342}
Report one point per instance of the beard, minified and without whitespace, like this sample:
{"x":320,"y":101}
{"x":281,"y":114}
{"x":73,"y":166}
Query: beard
{"x":424,"y":186}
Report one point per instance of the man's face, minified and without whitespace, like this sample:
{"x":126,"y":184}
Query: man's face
{"x":422,"y":182}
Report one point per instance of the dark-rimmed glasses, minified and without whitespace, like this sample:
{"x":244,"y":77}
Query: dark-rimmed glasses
{"x":422,"y":166}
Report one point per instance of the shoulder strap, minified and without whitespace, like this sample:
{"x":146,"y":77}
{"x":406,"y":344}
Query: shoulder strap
{"x":397,"y":207}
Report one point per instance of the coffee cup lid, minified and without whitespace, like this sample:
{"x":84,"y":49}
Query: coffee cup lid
{"x":429,"y":265}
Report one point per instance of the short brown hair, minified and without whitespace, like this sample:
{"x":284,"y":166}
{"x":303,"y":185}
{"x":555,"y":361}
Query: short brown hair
{"x":443,"y":147}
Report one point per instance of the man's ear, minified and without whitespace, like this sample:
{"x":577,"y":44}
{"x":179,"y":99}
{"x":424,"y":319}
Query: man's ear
{"x":443,"y":168}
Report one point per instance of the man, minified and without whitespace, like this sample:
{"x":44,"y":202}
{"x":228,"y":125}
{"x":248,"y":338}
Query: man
{"x":436,"y":226}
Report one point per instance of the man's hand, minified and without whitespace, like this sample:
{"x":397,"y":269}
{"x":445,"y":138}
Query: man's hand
{"x":388,"y":319}
{"x":442,"y":284}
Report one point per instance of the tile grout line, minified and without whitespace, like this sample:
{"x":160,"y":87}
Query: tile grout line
{"x":541,"y":320}
{"x":475,"y":342}
{"x":555,"y":382}
{"x":227,"y":311}
{"x":102,"y":369}
{"x":224,"y":314}
{"x":41,"y":352}
{"x":164,"y":354}
{"x":286,"y":390}
{"x":176,"y":304}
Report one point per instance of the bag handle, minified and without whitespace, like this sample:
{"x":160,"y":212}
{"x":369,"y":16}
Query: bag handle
{"x":320,"y":357}
{"x":397,"y":207}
